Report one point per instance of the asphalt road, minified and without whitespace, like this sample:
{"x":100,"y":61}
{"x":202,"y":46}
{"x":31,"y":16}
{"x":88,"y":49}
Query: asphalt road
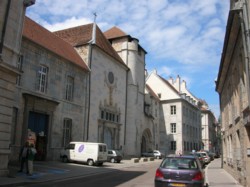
{"x":141,"y":175}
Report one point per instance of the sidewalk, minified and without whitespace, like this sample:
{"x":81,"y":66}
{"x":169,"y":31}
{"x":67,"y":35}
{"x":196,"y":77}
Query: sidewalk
{"x":216,"y":176}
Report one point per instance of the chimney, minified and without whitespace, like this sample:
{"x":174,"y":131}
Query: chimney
{"x":178,"y":83}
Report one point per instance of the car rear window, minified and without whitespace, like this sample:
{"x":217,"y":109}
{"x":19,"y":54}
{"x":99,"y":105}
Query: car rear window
{"x":179,"y":163}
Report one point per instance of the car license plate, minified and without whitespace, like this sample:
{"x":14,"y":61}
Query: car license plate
{"x":178,"y":184}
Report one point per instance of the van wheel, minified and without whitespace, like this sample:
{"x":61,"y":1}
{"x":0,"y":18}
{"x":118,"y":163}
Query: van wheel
{"x":112,"y":160}
{"x":90,"y":162}
{"x":65,"y":159}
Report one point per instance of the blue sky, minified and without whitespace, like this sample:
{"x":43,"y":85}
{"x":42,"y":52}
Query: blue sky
{"x":182,"y":37}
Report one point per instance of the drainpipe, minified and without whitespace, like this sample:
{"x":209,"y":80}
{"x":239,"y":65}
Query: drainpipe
{"x":4,"y":26}
{"x":126,"y":99}
{"x":91,"y":43}
{"x":90,"y":63}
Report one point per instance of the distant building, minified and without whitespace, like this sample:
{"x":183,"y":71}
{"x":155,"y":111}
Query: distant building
{"x":208,"y":131}
{"x":233,"y":88}
{"x":180,"y":117}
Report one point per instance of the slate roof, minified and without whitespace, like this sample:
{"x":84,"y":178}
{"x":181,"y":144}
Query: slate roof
{"x":82,"y":35}
{"x":43,"y":37}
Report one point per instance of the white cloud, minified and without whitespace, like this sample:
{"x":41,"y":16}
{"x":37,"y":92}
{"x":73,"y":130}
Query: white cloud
{"x":72,"y":22}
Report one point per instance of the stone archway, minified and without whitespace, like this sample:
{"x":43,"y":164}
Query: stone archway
{"x":146,"y":141}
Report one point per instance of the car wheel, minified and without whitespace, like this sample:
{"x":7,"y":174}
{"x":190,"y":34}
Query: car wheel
{"x":118,"y":161}
{"x":90,"y":162}
{"x":65,"y":159}
{"x":112,"y":160}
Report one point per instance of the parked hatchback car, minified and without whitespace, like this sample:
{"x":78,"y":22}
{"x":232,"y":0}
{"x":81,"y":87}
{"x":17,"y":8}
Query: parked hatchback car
{"x":155,"y":153}
{"x":182,"y":171}
{"x":200,"y":157}
{"x":206,"y":157}
{"x":114,"y":156}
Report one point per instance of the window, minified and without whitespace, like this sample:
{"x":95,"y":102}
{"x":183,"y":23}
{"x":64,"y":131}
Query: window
{"x":19,"y":67}
{"x":173,"y":109}
{"x":42,"y":79}
{"x":173,"y":145}
{"x":109,"y":116}
{"x":69,"y":88}
{"x":173,"y":127}
{"x":14,"y":125}
{"x":67,"y":129}
{"x":102,"y":148}
{"x":70,"y":146}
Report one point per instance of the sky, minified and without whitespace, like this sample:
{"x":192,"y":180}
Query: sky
{"x":181,"y":37}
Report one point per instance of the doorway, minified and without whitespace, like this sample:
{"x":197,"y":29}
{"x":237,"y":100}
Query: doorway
{"x":38,"y":123}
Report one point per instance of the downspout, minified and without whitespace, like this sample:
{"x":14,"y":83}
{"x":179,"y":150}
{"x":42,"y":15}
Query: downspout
{"x":4,"y":26}
{"x":91,"y":42}
{"x":126,"y":99}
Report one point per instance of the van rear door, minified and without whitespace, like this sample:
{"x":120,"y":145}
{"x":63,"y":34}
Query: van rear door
{"x":102,"y":152}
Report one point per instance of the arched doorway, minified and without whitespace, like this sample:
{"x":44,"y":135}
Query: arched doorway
{"x":146,"y":141}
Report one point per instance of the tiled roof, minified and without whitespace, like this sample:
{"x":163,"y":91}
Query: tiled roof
{"x":41,"y":36}
{"x":82,"y":35}
{"x":114,"y":32}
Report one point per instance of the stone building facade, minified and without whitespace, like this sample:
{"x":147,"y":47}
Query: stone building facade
{"x":116,"y":113}
{"x":80,"y":88}
{"x":51,"y":93}
{"x":11,"y":24}
{"x":233,"y":88}
{"x":140,"y":128}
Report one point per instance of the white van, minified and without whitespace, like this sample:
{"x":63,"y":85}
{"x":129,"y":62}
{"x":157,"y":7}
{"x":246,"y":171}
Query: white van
{"x":86,"y":152}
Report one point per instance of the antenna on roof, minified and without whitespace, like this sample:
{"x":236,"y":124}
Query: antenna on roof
{"x":95,"y":15}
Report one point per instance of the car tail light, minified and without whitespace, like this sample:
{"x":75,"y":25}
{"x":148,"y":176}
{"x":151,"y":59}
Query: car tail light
{"x":198,"y":176}
{"x":158,"y":174}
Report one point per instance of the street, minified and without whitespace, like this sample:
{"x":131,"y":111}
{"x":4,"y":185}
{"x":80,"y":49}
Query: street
{"x":124,"y":174}
{"x":138,"y":175}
